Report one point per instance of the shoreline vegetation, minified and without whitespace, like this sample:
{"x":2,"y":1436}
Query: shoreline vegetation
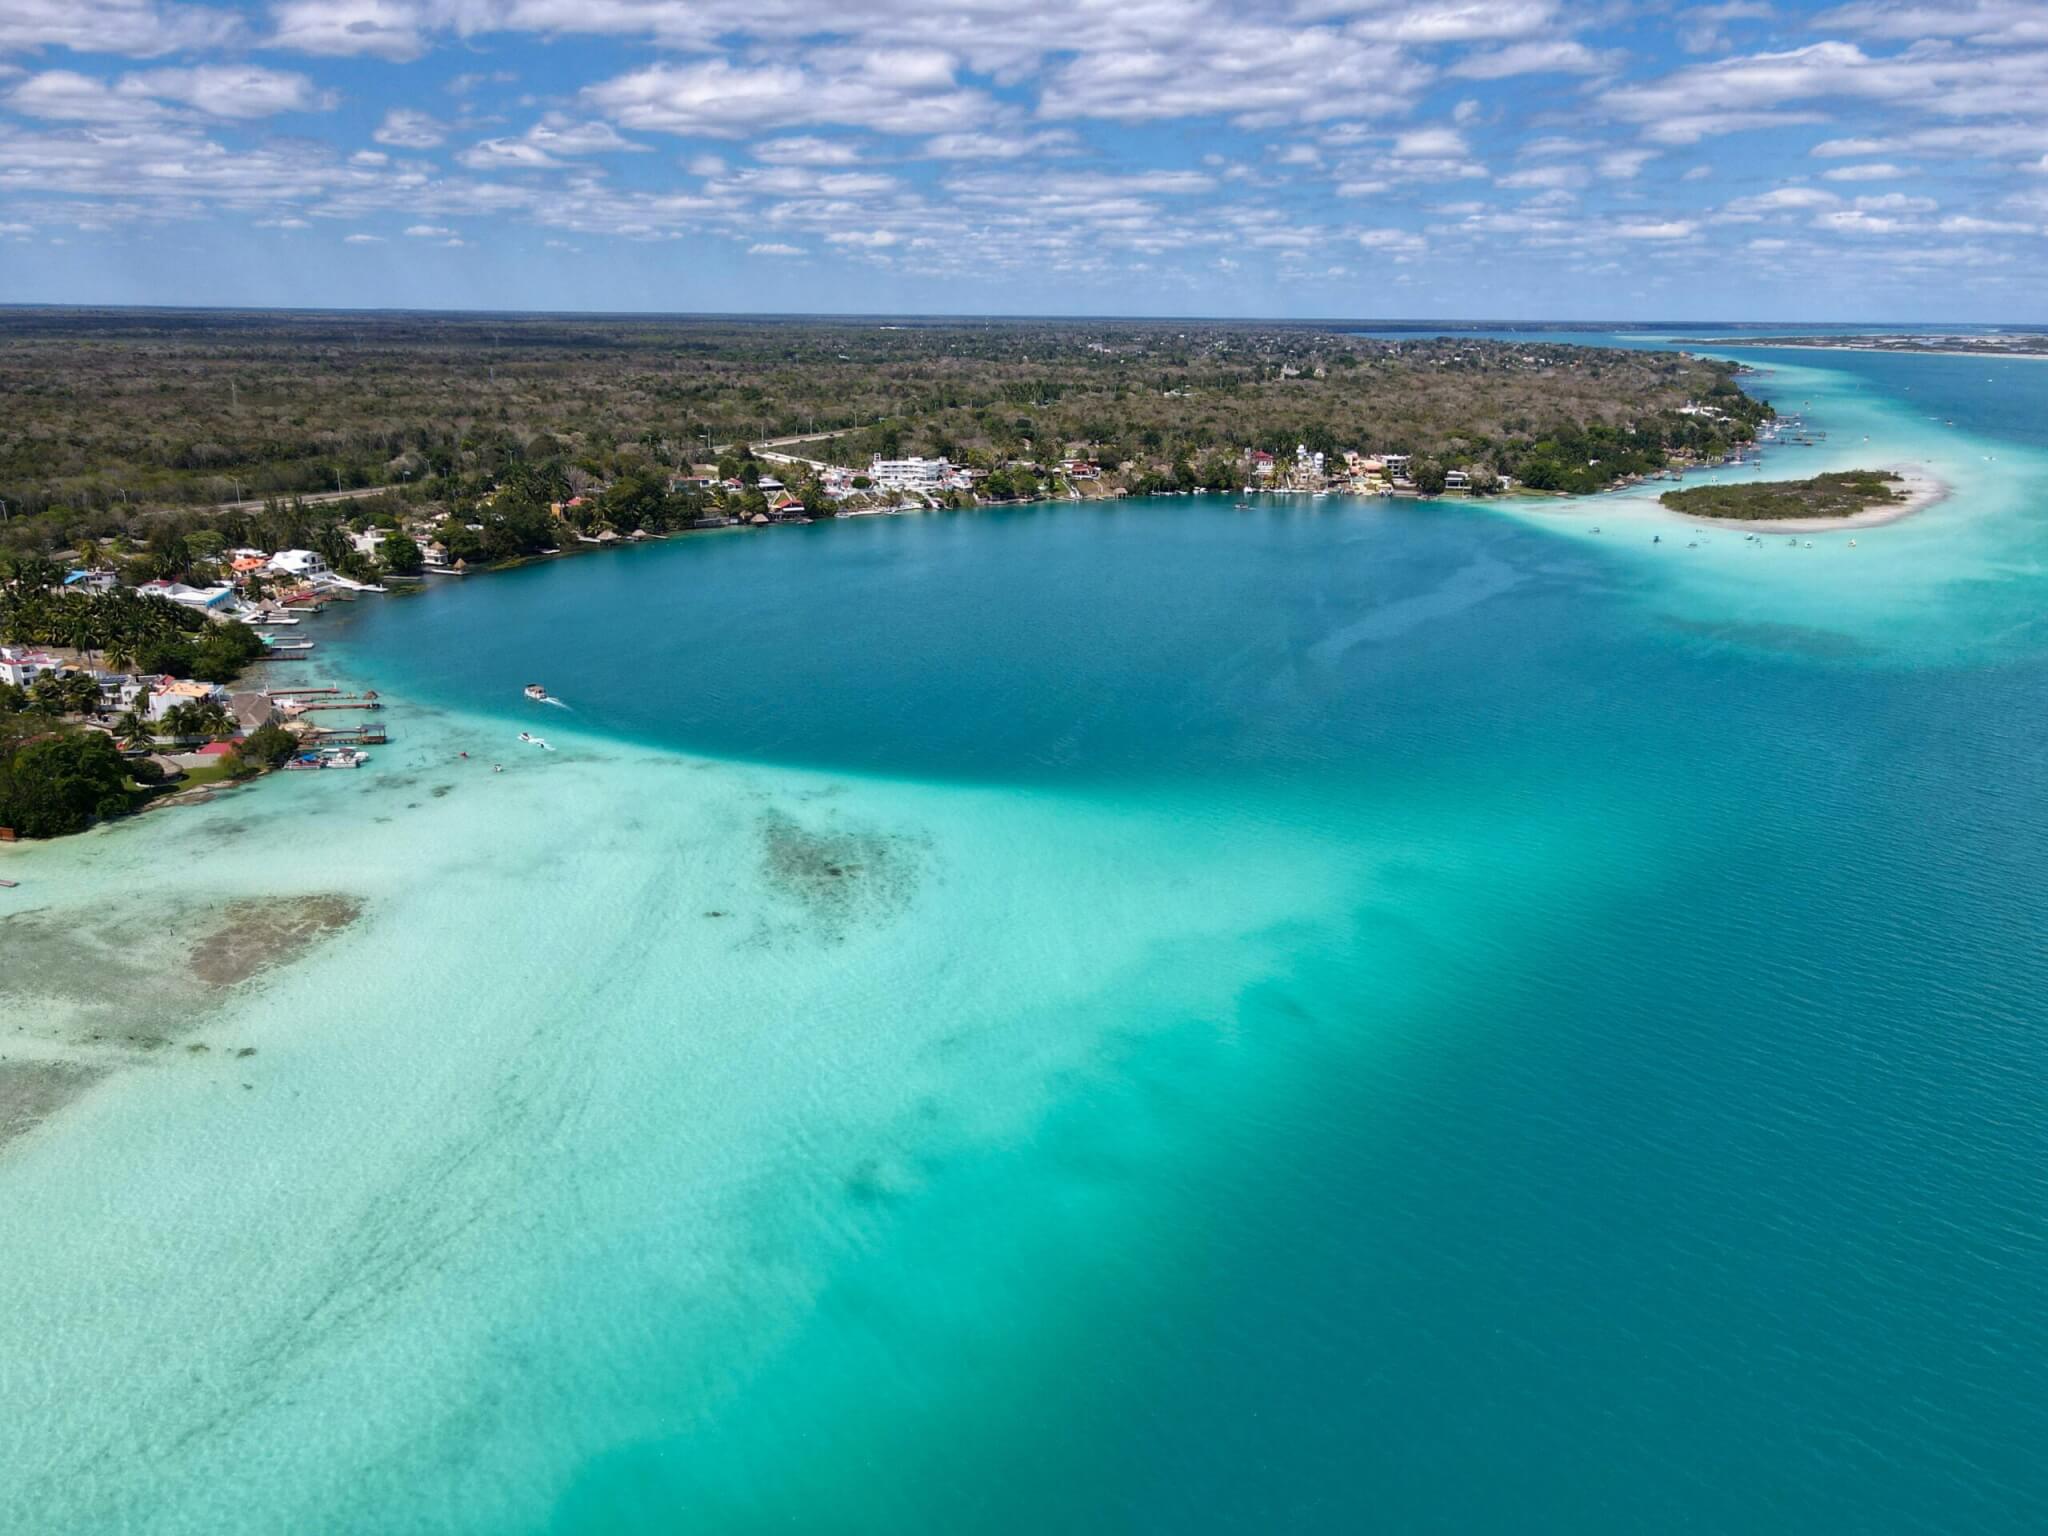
{"x":171,"y":474}
{"x":126,"y":414}
{"x":1841,"y":500}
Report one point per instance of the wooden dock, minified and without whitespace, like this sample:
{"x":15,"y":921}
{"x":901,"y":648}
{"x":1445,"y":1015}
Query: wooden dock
{"x":347,"y":736}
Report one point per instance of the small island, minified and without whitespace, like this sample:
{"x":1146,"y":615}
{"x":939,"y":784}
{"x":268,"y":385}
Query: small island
{"x":1849,"y":498}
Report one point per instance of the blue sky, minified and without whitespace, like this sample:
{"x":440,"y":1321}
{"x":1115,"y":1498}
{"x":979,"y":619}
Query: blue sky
{"x":1879,"y":160}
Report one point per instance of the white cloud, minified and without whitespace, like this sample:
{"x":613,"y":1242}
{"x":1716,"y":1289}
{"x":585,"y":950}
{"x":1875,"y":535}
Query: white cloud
{"x":1399,"y":242}
{"x":1655,"y":229}
{"x":429,"y":232}
{"x":1780,"y":200}
{"x":2002,"y":22}
{"x":1558,"y":57}
{"x":718,"y":99}
{"x":559,"y":134}
{"x":1965,"y":224}
{"x":1261,"y":75}
{"x":1545,"y":177}
{"x":774,"y":249}
{"x":1430,"y":144}
{"x":362,"y":239}
{"x":135,"y":28}
{"x":1761,"y":89}
{"x":997,"y":146}
{"x":507,"y":155}
{"x":232,"y":90}
{"x":1874,"y":172}
{"x":866,"y":239}
{"x":804,"y":149}
{"x":221,"y":91}
{"x":409,"y":128}
{"x":64,"y":95}
{"x":386,"y":29}
{"x":1625,"y":164}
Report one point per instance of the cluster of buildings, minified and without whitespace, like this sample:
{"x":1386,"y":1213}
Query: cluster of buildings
{"x":1362,"y":474}
{"x":22,"y":666}
{"x":288,"y":572}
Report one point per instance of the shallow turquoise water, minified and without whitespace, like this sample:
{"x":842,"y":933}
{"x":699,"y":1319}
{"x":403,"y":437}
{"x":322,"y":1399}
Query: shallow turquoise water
{"x":1338,"y":1015}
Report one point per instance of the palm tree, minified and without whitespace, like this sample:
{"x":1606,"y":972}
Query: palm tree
{"x":213,"y":719}
{"x":134,"y":729}
{"x":178,"y":722}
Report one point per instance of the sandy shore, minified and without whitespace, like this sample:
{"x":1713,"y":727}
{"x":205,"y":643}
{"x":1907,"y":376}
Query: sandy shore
{"x":1922,"y":489}
{"x":1816,"y":346}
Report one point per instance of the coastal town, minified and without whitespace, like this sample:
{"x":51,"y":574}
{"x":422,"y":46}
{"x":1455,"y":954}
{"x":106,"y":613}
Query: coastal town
{"x":116,"y":698}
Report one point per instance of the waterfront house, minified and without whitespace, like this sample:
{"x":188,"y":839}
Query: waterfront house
{"x":96,"y":580}
{"x":1457,"y":480}
{"x":253,"y":711}
{"x":303,"y":564}
{"x":214,"y":600}
{"x":911,"y":474}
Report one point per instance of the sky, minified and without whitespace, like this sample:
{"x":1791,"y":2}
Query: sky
{"x":1881,"y":160}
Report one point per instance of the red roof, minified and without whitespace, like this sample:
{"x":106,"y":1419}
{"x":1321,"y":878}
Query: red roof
{"x":215,"y":749}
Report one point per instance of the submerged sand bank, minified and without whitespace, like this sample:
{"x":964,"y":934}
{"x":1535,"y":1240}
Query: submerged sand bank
{"x":1919,"y":488}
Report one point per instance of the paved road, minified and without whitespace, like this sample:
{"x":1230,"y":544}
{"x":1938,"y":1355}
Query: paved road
{"x":311,"y":499}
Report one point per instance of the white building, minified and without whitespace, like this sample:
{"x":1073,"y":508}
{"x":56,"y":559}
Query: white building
{"x":169,"y":693}
{"x":20,"y":667}
{"x":205,"y":599}
{"x":911,"y":474}
{"x":305,"y":564}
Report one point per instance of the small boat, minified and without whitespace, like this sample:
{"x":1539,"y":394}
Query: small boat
{"x":534,"y":741}
{"x":536,"y":692}
{"x":9,"y":884}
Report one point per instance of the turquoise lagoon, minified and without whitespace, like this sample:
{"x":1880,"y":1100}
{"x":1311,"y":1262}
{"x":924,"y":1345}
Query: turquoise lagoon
{"x":1335,"y":1016}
